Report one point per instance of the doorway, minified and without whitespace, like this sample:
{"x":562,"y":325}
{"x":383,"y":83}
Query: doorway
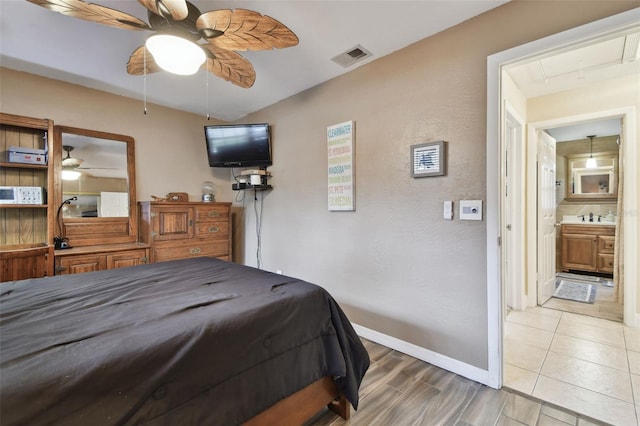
{"x":582,"y":264}
{"x":553,"y":375}
{"x":607,"y":28}
{"x":586,"y":219}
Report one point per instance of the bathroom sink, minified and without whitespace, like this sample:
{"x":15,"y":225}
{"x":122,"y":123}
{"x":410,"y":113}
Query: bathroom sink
{"x":574,"y":220}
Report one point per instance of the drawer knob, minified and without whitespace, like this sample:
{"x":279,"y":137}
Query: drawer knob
{"x":195,"y":250}
{"x":214,"y":214}
{"x":214,"y":229}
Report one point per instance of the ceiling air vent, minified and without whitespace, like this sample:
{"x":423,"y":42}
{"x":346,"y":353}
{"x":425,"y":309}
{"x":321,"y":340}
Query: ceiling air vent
{"x":351,"y":56}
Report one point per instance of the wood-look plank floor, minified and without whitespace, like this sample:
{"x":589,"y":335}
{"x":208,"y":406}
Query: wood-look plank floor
{"x":400,"y":390}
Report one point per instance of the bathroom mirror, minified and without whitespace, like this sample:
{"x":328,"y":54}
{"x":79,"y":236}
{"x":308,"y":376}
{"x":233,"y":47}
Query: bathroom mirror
{"x":95,"y":171}
{"x":594,"y":182}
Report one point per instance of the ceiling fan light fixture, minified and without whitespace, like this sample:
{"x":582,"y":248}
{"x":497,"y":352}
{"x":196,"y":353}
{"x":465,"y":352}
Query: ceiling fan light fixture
{"x":70,"y":174}
{"x":175,"y":54}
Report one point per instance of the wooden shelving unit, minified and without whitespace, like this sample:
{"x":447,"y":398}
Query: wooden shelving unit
{"x":26,"y":225}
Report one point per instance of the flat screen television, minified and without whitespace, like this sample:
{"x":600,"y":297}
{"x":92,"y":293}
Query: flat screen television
{"x":238,"y":145}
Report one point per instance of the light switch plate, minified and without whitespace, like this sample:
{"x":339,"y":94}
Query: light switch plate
{"x":447,"y":212}
{"x":470,"y":209}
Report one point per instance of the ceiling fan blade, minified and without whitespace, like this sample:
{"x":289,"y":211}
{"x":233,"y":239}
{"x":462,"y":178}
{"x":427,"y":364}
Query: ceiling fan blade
{"x":98,"y":168}
{"x":230,"y":66}
{"x":93,"y":12}
{"x":137,"y":60}
{"x":243,"y":29}
{"x":177,"y":9}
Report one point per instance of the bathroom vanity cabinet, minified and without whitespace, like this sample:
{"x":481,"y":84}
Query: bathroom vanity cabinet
{"x":588,"y":247}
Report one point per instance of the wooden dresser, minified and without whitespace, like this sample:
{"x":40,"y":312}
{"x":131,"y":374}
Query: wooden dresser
{"x":100,"y":257}
{"x":178,"y":230}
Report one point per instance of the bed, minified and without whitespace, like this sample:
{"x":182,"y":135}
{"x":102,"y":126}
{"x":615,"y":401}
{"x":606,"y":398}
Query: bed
{"x":194,"y":341}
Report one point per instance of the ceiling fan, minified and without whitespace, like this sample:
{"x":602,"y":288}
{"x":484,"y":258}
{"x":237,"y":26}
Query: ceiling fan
{"x":178,"y":21}
{"x":70,"y":165}
{"x":71,"y":169}
{"x":69,"y":161}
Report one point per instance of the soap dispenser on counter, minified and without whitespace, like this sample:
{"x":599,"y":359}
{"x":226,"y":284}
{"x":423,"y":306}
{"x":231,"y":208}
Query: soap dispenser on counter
{"x":610,"y":217}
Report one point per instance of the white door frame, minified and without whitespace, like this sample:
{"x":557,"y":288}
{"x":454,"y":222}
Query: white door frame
{"x":494,"y":224}
{"x":513,"y":190}
{"x":630,"y":149}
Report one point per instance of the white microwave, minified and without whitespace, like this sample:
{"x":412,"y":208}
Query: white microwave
{"x":22,"y":195}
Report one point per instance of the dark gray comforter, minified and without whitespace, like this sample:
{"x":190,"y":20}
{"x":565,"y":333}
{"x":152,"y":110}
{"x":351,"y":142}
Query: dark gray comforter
{"x":187,"y":342}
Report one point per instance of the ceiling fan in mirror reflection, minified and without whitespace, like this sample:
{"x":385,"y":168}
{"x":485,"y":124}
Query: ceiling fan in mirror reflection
{"x":71,"y":167}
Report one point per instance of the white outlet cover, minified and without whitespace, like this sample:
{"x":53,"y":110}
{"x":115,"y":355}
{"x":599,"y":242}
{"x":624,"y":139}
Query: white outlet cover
{"x":470,"y":209}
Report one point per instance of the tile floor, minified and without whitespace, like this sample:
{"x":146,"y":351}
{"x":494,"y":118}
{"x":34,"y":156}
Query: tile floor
{"x":605,"y":305}
{"x":585,"y":364}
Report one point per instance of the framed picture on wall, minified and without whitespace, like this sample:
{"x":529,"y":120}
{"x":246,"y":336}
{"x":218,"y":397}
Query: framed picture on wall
{"x":428,"y":159}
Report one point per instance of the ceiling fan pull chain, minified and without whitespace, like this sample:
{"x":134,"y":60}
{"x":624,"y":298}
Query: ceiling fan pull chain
{"x":208,"y":107}
{"x":144,"y":67}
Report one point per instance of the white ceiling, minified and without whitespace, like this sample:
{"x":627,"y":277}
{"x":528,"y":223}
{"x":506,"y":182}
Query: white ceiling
{"x":42,"y":42}
{"x":606,"y":58}
{"x":609,"y":57}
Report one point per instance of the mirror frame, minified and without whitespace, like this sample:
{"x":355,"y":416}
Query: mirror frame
{"x":591,"y":196}
{"x":89,"y":231}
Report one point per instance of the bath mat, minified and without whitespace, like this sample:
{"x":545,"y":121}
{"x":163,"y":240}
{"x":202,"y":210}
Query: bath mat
{"x":579,"y":292}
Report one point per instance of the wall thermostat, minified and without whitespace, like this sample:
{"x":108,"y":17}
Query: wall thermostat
{"x":470,"y":209}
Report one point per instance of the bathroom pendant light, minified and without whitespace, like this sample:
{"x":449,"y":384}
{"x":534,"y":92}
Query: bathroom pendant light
{"x":175,"y":54}
{"x":591,"y":162}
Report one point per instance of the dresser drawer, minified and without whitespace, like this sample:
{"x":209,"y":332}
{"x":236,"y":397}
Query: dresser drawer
{"x":81,"y":263}
{"x":212,"y":212}
{"x":179,"y":230}
{"x":190,"y":248}
{"x":213,"y":230}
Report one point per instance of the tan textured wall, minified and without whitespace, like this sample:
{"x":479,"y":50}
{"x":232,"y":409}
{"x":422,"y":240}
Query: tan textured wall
{"x":394,"y":264}
{"x":170,"y":149}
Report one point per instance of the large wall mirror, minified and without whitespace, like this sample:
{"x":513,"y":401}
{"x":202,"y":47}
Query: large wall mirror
{"x":95,"y":187}
{"x":592,"y":181}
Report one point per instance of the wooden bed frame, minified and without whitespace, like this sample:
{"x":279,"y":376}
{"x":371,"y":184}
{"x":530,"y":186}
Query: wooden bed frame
{"x":302,"y":405}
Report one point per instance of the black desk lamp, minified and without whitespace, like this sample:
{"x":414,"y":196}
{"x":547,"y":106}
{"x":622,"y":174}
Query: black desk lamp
{"x":60,"y":242}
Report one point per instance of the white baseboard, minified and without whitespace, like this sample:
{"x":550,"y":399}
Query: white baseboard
{"x":636,"y":321}
{"x":439,"y":360}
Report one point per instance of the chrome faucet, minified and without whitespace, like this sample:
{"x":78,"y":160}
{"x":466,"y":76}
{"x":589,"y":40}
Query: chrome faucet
{"x":582,"y":216}
{"x":590,"y":217}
